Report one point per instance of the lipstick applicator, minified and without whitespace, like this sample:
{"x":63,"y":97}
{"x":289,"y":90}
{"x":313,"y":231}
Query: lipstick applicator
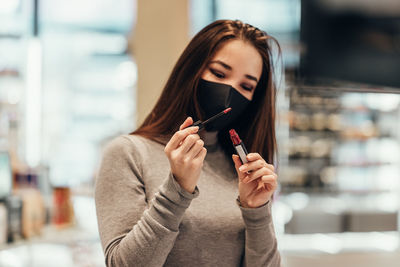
{"x":241,"y":151}
{"x":202,"y":124}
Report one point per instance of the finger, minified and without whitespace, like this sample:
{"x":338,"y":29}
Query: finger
{"x":253,"y":156}
{"x":260,"y":185}
{"x":195,"y":149}
{"x":253,"y":165}
{"x":186,"y":123}
{"x":268,"y":179}
{"x":188,"y":142}
{"x":271,"y":167}
{"x":238,"y":163}
{"x":257,"y":174}
{"x":254,"y":174}
{"x":180,"y":136}
{"x":270,"y":182}
{"x":201,"y":156}
{"x":267,"y":182}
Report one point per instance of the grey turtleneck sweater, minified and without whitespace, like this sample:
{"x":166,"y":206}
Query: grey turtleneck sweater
{"x":146,"y":219}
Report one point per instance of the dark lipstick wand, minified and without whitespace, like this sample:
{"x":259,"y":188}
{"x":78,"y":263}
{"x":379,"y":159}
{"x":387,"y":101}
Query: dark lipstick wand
{"x":202,"y":124}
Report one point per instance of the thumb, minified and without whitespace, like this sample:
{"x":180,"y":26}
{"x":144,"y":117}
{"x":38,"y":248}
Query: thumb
{"x":238,"y":163}
{"x":186,"y":123}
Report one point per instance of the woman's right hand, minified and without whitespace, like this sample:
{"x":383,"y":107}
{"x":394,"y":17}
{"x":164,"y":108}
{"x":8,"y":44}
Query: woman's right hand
{"x":186,"y":152}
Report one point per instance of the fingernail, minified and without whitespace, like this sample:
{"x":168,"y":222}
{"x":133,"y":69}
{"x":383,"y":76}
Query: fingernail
{"x":246,"y":179}
{"x":242,"y":168}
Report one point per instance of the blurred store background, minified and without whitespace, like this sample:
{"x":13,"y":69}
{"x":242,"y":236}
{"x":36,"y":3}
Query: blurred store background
{"x":74,"y":74}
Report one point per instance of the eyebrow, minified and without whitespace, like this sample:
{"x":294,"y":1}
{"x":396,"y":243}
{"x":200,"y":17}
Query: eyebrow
{"x":226,"y":66}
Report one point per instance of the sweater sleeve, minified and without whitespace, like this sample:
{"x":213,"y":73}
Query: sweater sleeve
{"x":260,"y":244}
{"x":132,"y":231}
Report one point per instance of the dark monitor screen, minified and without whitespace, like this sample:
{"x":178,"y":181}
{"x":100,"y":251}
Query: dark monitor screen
{"x":5,"y":175}
{"x":351,"y":40}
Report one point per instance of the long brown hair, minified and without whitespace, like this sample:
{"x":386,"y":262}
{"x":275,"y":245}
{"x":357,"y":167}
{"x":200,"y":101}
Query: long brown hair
{"x":256,"y":126}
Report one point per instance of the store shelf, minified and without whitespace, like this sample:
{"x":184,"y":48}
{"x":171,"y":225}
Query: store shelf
{"x":332,"y":134}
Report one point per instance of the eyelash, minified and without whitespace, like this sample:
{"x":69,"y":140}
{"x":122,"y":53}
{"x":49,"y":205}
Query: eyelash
{"x":247,"y":88}
{"x":220,"y":75}
{"x":217,"y":74}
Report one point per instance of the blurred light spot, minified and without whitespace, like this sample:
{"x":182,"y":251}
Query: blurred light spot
{"x":326,"y":243}
{"x":8,"y":6}
{"x":126,"y":75}
{"x":14,"y":96}
{"x":298,"y":200}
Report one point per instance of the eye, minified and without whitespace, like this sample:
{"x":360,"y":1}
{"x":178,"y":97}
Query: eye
{"x":247,"y":87}
{"x":217,"y":74}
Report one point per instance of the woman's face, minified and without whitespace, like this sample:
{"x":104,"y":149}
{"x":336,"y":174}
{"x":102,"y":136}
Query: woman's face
{"x":238,"y":64}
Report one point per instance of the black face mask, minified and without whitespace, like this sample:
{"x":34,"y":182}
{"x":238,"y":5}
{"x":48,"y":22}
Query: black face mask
{"x":214,"y":98}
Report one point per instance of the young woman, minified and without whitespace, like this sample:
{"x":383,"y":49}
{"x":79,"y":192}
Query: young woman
{"x":171,"y":195}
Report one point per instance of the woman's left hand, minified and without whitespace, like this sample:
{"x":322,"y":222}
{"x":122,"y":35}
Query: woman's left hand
{"x":257,"y":180}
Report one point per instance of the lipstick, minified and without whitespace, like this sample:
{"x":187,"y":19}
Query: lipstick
{"x":241,"y":151}
{"x":239,"y":146}
{"x":202,"y":124}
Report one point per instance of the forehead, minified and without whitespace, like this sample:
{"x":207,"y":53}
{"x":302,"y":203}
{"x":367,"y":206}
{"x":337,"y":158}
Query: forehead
{"x":241,"y":56}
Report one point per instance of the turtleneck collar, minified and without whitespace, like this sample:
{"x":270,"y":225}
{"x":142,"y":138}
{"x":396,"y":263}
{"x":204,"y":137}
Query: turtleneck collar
{"x":210,"y":140}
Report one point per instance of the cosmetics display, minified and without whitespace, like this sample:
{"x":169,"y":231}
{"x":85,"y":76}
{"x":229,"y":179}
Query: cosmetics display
{"x":340,"y":141}
{"x":67,"y":92}
{"x":341,"y":161}
{"x":62,"y":207}
{"x":12,"y":82}
{"x":33,"y":212}
{"x":3,"y":223}
{"x":5,"y":175}
{"x":14,"y":218}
